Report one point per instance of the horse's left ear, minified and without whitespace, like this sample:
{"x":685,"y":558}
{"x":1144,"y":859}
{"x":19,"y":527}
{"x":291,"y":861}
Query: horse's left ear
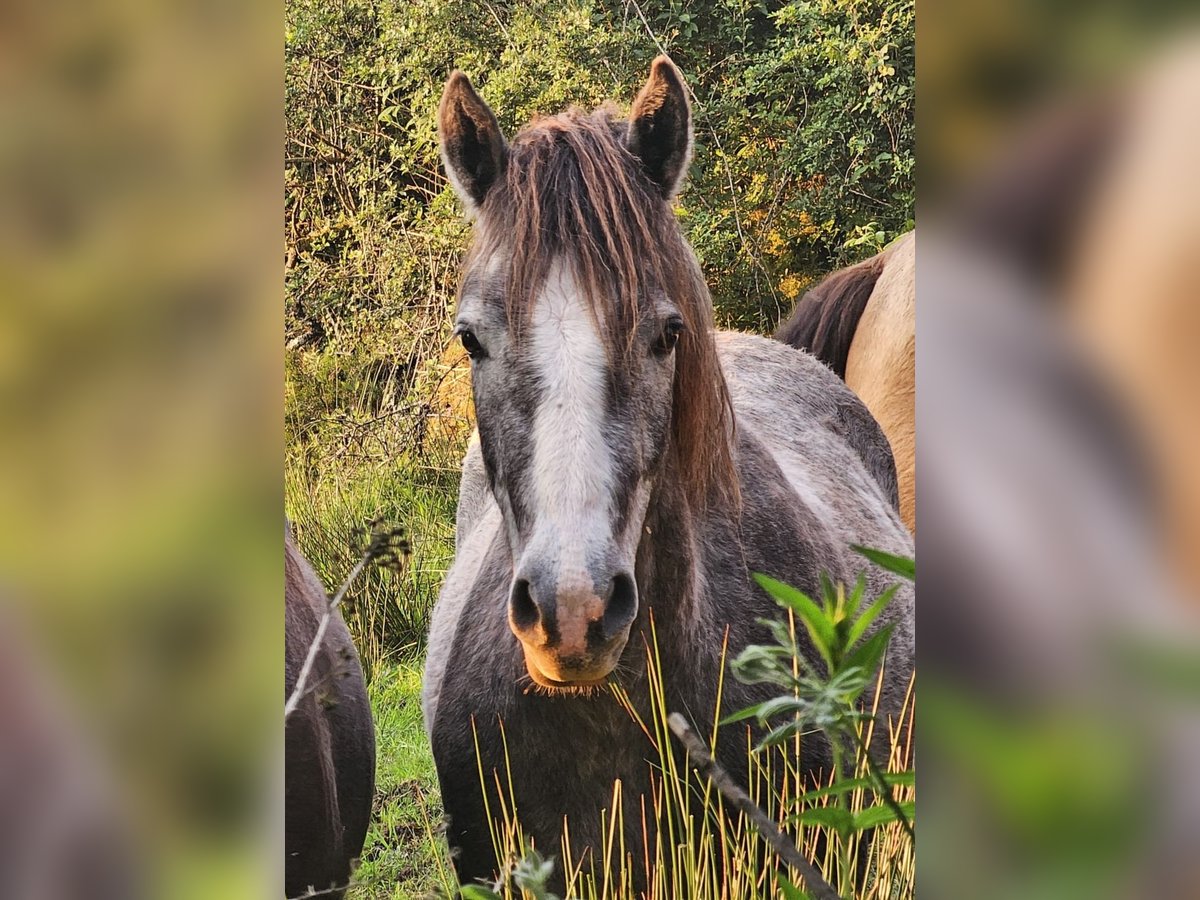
{"x":660,"y":127}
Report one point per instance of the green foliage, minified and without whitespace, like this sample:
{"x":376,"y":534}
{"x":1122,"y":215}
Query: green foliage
{"x":526,"y":876}
{"x":830,"y":698}
{"x":804,"y":139}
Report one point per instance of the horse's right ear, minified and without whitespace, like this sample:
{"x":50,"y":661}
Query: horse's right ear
{"x":660,"y":127}
{"x":473,"y":148}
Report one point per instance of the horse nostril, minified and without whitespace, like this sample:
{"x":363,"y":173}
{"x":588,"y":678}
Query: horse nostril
{"x":524,"y":610}
{"x":621,"y":607}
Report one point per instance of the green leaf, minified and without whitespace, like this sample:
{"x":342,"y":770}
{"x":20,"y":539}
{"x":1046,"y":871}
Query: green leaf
{"x":532,"y":872}
{"x":881,"y":814}
{"x":814,"y":619}
{"x":863,"y":622}
{"x":778,"y":706}
{"x":854,"y":600}
{"x":789,"y":890}
{"x":778,"y":735}
{"x":899,"y":565}
{"x":828,"y":591}
{"x":781,"y":632}
{"x":850,"y":784}
{"x":750,"y":712}
{"x":840,"y":820}
{"x":477,"y":892}
{"x":868,"y":654}
{"x":759,"y":663}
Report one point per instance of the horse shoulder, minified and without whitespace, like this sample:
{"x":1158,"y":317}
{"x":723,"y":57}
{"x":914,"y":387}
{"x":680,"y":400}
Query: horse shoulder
{"x":830,"y":452}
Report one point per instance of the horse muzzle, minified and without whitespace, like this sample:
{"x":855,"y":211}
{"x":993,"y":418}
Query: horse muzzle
{"x":571,"y":634}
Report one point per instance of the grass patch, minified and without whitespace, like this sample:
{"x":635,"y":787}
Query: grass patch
{"x":404,"y":855}
{"x":353,"y":458}
{"x":387,"y":612}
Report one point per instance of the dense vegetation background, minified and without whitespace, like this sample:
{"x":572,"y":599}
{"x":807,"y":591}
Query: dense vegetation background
{"x":804,"y":162}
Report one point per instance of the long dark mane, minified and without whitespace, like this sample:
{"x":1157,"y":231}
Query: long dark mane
{"x":827,"y":316}
{"x":572,"y":191}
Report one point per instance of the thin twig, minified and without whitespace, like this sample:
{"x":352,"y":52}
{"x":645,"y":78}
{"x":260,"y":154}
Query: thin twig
{"x":326,"y":892}
{"x":788,"y":852}
{"x":313,"y":648}
{"x":379,"y":545}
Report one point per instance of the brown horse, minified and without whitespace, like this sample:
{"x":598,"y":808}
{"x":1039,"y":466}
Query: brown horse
{"x":329,"y":771}
{"x":861,"y":321}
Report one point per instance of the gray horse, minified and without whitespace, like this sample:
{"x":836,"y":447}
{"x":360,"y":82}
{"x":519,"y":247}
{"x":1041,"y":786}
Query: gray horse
{"x":630,"y":463}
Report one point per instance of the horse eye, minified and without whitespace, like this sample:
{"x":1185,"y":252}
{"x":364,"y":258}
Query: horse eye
{"x":471,"y":343}
{"x":672,"y":329}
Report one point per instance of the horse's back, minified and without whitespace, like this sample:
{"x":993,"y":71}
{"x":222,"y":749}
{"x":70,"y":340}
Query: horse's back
{"x":834,"y":458}
{"x":861,"y":322}
{"x":811,"y":423}
{"x":881,"y":364}
{"x":329,"y":741}
{"x":826,"y":318}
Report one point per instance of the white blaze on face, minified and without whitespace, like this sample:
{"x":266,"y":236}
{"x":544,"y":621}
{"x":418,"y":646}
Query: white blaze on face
{"x":572,"y":464}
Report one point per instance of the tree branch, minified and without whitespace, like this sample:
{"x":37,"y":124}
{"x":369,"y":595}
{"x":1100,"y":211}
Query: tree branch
{"x":788,"y":852}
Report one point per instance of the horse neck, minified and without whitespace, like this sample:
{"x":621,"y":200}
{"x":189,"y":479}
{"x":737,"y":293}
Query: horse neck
{"x":683,"y":557}
{"x":674,"y":556}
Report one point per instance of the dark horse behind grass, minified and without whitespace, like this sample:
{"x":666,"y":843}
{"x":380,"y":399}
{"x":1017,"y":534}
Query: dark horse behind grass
{"x":631,"y":464}
{"x":329,"y":742}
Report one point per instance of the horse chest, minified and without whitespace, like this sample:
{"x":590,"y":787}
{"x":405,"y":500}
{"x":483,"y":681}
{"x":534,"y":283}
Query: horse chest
{"x":550,"y":758}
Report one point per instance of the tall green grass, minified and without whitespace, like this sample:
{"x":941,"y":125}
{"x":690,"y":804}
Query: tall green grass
{"x":387,"y":611}
{"x":367,"y":443}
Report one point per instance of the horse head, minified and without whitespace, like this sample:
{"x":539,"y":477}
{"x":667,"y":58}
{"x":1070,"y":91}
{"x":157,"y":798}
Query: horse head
{"x":594,"y":373}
